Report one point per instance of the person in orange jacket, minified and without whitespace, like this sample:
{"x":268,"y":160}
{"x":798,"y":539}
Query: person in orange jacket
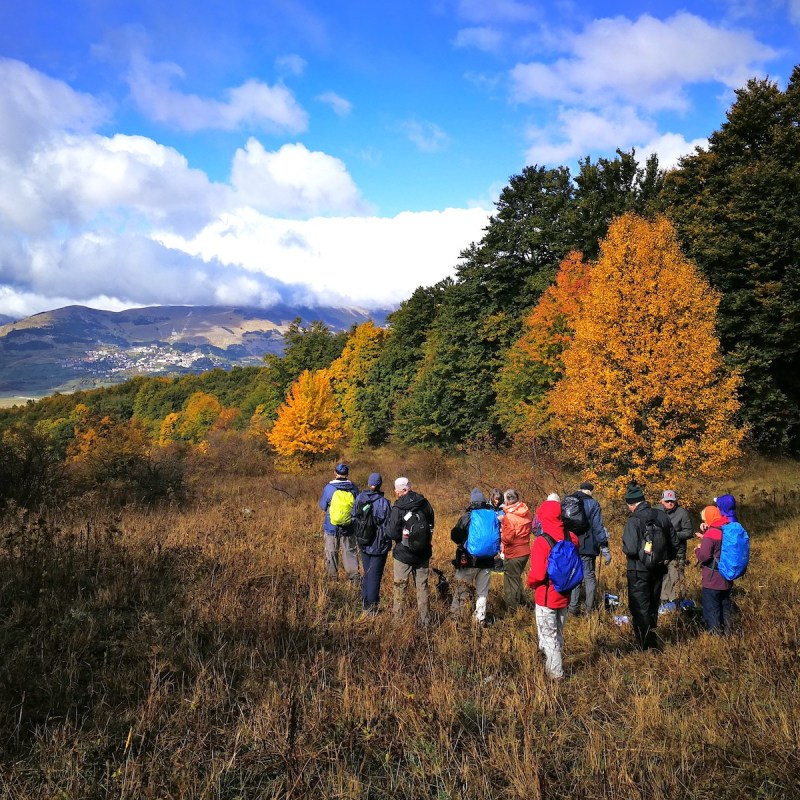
{"x":515,"y":537}
{"x":551,"y":606}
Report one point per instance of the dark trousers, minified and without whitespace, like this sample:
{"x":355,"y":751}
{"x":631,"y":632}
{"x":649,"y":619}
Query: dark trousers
{"x":371,"y":583}
{"x":589,"y":583}
{"x":717,"y":610}
{"x":644,"y":594}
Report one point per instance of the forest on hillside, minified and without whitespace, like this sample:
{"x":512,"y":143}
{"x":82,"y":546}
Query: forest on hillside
{"x":640,"y":323}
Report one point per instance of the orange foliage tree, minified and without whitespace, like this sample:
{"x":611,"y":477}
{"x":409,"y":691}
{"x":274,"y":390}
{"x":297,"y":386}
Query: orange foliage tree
{"x":308,"y":423}
{"x":533,"y":364}
{"x":352,"y":379}
{"x":645,"y":392}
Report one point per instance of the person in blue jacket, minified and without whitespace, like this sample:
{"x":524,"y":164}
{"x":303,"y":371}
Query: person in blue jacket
{"x":593,"y":543}
{"x":338,"y":536}
{"x":374,"y":555}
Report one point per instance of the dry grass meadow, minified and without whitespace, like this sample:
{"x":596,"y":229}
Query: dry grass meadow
{"x":199,"y":652}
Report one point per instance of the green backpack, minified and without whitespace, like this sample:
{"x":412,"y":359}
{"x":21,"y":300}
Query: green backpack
{"x":341,"y":508}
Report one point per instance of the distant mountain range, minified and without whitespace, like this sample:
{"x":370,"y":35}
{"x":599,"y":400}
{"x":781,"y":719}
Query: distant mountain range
{"x":82,"y":348}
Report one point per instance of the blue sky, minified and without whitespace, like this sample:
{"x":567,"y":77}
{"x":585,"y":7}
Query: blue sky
{"x":333,"y":153}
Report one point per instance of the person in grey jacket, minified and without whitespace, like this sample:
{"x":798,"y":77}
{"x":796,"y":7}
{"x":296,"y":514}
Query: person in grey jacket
{"x":592,"y":543}
{"x":673,"y":588}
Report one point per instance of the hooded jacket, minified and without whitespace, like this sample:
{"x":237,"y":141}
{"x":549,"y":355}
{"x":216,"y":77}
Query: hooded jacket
{"x":459,"y":534}
{"x":515,"y":530}
{"x":549,"y":515}
{"x":596,"y":538}
{"x":381,"y":510}
{"x":710,"y":549}
{"x":411,"y":501}
{"x":325,"y":502}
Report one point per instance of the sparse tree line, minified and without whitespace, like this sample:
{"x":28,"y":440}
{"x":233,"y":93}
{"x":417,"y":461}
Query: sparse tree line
{"x":645,"y":323}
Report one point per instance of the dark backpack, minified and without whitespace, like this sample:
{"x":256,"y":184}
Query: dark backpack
{"x":654,"y":549}
{"x":416,"y":531}
{"x":365,"y":528}
{"x":564,"y":565}
{"x":573,"y":514}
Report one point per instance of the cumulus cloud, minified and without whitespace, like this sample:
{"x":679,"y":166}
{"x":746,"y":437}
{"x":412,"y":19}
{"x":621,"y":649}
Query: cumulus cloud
{"x":367,"y":260}
{"x":669,"y":148}
{"x":647,"y":62}
{"x":254,"y":104}
{"x":427,"y":136}
{"x":339,"y":105}
{"x":293,"y":181}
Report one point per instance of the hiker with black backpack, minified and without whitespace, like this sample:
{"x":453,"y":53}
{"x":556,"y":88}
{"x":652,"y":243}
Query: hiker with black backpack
{"x":337,"y":501}
{"x":555,"y":570}
{"x":370,"y":515}
{"x":649,"y":541}
{"x":410,"y":527}
{"x":582,"y":515}
{"x":477,"y":539}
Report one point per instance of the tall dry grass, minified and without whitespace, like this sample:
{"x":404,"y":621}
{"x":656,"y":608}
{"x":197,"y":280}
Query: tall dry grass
{"x":201,"y":653}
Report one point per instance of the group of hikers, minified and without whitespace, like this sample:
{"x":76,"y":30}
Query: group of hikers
{"x":568,"y":537}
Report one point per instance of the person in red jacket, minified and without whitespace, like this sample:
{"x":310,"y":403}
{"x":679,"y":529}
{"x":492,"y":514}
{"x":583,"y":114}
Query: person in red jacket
{"x":551,"y":606}
{"x":515,"y":536}
{"x":716,"y":592}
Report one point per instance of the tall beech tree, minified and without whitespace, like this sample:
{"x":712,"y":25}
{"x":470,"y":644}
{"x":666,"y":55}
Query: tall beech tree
{"x":533,"y":364}
{"x":736,"y":206}
{"x":308,"y":424}
{"x":645,"y":392}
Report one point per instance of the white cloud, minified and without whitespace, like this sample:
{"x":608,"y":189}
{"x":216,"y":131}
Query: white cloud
{"x":794,"y":11}
{"x":339,"y":105}
{"x":669,"y":148}
{"x":490,"y":40}
{"x":427,"y":136}
{"x":647,"y":62}
{"x":293,"y":181}
{"x":252,"y":105}
{"x":577,"y":132}
{"x":34,"y":106}
{"x":367,"y":260}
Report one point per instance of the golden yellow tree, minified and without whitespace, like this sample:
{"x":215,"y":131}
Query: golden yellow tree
{"x":533,"y":364}
{"x":645,"y":392}
{"x":352,"y":380}
{"x":308,"y":423}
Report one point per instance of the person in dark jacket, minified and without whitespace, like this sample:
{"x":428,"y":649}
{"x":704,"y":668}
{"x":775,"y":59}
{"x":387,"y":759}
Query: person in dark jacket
{"x":471,"y":571}
{"x":409,"y":563}
{"x":592,"y":543}
{"x":337,"y":536}
{"x":716,"y":591}
{"x":644,"y":583}
{"x":374,"y":555}
{"x":672,"y":589}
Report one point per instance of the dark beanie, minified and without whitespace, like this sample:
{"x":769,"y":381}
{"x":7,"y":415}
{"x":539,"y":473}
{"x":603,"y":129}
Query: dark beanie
{"x":588,"y":486}
{"x":375,"y":480}
{"x":476,"y":496}
{"x":634,"y":494}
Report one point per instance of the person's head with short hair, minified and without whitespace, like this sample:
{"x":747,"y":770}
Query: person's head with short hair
{"x":511,"y":496}
{"x":669,"y":499}
{"x":401,"y":486}
{"x":341,"y":470}
{"x":495,"y":498}
{"x":586,"y":488}
{"x":375,"y":480}
{"x":554,"y":496}
{"x":634,"y":495}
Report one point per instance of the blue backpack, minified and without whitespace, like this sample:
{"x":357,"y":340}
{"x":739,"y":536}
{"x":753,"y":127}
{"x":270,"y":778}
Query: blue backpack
{"x":564,"y":565}
{"x":735,"y":553}
{"x":483,"y":536}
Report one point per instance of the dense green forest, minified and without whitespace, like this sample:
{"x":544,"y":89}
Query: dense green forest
{"x":432,"y":377}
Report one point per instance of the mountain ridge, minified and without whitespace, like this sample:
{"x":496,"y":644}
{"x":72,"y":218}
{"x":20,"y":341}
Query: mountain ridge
{"x":78,"y":347}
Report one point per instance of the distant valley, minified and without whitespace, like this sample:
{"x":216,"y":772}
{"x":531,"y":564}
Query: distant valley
{"x":82,"y":348}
